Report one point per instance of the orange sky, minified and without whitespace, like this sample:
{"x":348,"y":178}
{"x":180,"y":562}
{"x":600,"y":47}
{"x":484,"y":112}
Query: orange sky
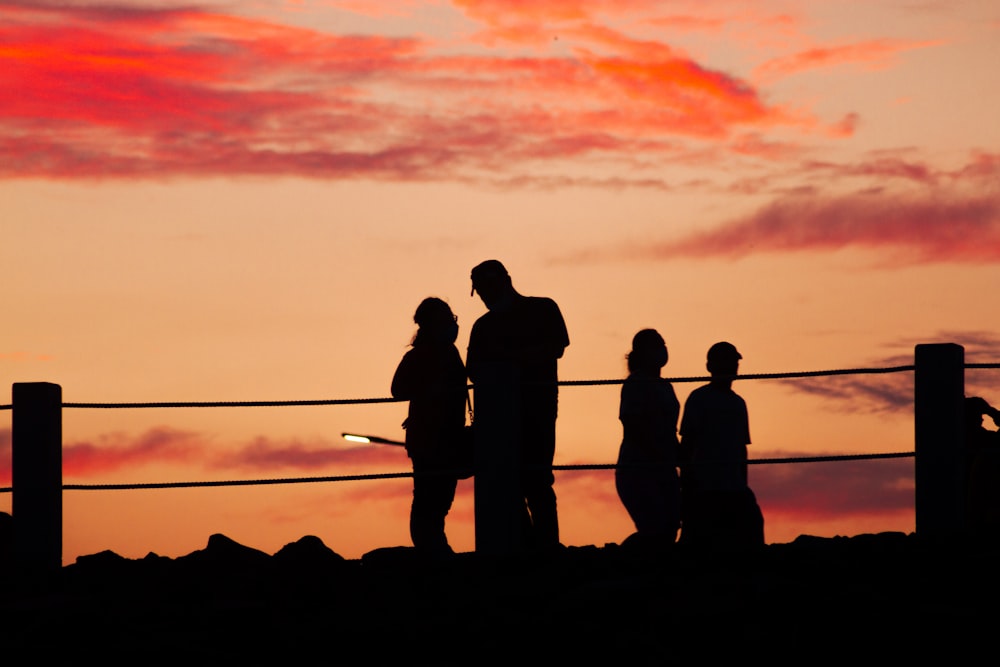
{"x":217,"y":201}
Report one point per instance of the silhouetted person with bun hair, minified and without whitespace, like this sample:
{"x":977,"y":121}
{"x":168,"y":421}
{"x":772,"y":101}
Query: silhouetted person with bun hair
{"x":719,"y":510}
{"x":431,"y":376}
{"x":646,"y":472}
{"x":521,"y":338}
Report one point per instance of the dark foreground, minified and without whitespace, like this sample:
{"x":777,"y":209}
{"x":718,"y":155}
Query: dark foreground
{"x":814,"y":599}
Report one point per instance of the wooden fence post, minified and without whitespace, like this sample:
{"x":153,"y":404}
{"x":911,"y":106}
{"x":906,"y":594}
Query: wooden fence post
{"x":36,"y":462}
{"x":939,"y":429}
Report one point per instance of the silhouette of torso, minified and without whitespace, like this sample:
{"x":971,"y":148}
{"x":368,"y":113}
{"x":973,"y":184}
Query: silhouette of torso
{"x":715,"y":431}
{"x":431,"y":377}
{"x":652,"y":403}
{"x":526,"y":337}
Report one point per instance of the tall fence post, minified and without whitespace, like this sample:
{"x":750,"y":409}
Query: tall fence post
{"x":36,"y":462}
{"x":938,"y":407}
{"x":499,"y":505}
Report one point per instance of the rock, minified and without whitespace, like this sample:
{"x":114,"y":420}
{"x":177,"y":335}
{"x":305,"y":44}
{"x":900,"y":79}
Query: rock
{"x":856,"y":596}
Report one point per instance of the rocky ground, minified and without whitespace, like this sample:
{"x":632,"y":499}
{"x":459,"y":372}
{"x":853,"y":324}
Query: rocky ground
{"x":889,"y":595}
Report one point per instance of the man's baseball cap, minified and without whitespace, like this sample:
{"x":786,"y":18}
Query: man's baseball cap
{"x":723,"y":352}
{"x":490,"y":269}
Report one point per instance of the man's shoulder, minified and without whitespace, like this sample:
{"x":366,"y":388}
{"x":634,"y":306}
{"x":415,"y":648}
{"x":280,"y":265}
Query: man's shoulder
{"x":711,"y":392}
{"x":484,"y":319}
{"x":541,"y":307}
{"x":698,"y":393}
{"x":535,"y":302}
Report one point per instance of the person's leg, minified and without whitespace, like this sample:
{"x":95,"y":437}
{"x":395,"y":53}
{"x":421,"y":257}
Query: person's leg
{"x":537,"y":479}
{"x":433,"y":495}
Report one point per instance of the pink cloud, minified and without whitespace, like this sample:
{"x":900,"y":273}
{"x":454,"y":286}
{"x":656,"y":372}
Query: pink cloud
{"x":131,"y":93}
{"x":882,"y":168}
{"x":832,"y":489}
{"x":114,"y":452}
{"x":117,"y":452}
{"x":872,"y":54}
{"x":265,"y":455}
{"x":877,"y":172}
{"x":918,"y":228}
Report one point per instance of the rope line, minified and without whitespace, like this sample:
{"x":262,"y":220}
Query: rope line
{"x":398,"y":475}
{"x":759,"y":376}
{"x":991,"y":365}
{"x":234,"y":404}
{"x":563,"y":383}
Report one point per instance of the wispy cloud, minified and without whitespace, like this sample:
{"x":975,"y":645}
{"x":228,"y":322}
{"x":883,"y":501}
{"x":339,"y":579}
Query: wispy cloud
{"x":893,"y":392}
{"x":907,"y":210}
{"x":869,"y":54}
{"x":118,"y":451}
{"x":953,"y":222}
{"x":265,"y":455}
{"x":115,"y":452}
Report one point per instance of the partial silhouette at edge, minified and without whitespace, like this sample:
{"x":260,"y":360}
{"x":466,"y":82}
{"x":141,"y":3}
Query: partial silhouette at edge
{"x":982,"y":452}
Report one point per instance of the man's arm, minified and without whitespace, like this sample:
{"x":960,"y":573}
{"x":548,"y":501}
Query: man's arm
{"x":553,"y":338}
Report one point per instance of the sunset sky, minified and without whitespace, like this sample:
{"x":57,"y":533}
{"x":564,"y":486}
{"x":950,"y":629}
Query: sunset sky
{"x":222,"y":200}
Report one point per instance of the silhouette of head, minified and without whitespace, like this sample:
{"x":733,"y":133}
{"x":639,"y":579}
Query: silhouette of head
{"x":723,"y":359}
{"x":975,"y":408}
{"x":491,"y":280}
{"x":435,"y":322}
{"x":649,"y":352}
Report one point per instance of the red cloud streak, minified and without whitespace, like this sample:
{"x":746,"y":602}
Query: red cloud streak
{"x":262,"y":457}
{"x":106,"y":92}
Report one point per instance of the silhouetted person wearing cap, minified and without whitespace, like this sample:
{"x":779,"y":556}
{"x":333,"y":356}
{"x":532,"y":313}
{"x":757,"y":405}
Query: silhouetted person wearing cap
{"x":718,"y":508}
{"x":431,"y":377}
{"x":521,"y":338}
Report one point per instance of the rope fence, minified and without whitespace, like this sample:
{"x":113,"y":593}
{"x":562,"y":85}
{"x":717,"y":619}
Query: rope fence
{"x":398,"y":475}
{"x":940,"y":479}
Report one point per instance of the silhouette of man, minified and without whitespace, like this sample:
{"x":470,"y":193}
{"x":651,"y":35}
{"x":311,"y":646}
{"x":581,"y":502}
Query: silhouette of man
{"x":717,"y":505}
{"x":523,"y":337}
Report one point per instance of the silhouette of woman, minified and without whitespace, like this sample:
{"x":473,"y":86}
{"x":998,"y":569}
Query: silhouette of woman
{"x":646,"y":474}
{"x":431,"y":376}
